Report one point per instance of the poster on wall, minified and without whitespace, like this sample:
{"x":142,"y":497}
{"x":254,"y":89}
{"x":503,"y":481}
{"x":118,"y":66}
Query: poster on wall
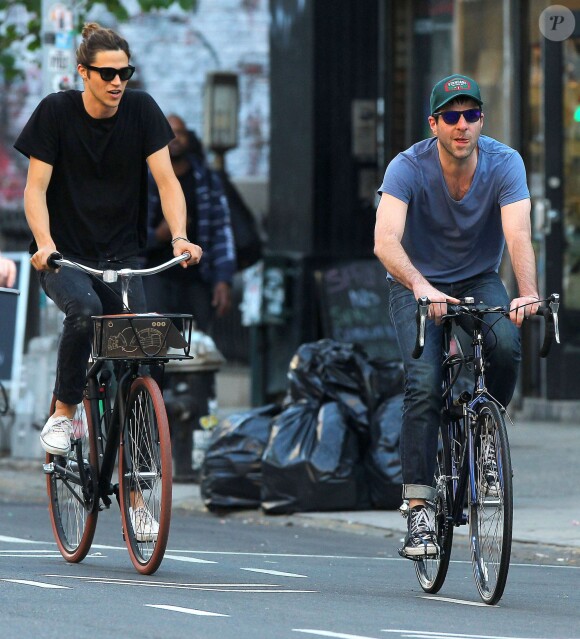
{"x":13,"y":309}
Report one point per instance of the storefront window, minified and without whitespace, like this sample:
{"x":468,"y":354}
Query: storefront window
{"x":481,"y":55}
{"x":432,"y":23}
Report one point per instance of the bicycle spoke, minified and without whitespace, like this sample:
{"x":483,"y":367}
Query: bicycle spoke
{"x":72,"y":510}
{"x":491,"y":513}
{"x":145,"y":475}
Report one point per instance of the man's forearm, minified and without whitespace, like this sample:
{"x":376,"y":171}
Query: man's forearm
{"x":37,"y":217}
{"x":524,"y":266}
{"x":394,"y":258}
{"x":174,"y":211}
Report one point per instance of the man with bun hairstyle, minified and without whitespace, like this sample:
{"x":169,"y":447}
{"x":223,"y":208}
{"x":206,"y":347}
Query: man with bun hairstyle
{"x":448,"y":207}
{"x":86,"y":197}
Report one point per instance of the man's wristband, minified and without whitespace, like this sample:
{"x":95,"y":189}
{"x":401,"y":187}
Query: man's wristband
{"x":176,"y":239}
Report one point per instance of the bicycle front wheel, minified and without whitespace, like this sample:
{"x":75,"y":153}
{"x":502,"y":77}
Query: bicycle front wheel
{"x":145,"y":476}
{"x":73,"y":502}
{"x":431,"y":571}
{"x":491,"y":513}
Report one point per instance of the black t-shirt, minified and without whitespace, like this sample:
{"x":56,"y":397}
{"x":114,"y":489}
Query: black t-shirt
{"x":97,"y":196}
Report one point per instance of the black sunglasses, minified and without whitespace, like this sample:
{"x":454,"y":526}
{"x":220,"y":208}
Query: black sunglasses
{"x":108,"y":73}
{"x":452,"y":117}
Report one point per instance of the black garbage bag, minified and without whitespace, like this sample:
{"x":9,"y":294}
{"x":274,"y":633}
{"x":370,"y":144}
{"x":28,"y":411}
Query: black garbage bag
{"x":231,"y":474}
{"x":328,"y":370}
{"x":311,"y":461}
{"x":383,"y":379}
{"x":382,"y":460}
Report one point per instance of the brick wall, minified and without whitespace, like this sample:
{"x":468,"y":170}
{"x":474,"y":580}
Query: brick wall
{"x":173,"y":50}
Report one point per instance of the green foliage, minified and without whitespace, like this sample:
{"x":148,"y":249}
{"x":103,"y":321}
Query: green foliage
{"x":12,"y":35}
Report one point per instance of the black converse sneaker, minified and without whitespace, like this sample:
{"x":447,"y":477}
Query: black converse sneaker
{"x":421,"y":539}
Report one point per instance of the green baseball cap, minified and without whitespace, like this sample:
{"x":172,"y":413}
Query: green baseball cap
{"x":452,"y":87}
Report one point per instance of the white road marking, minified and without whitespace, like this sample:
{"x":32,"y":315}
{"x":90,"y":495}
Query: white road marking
{"x":446,"y":635}
{"x":245,"y":588}
{"x":18,"y":540}
{"x":36,"y":550}
{"x":327,"y":633}
{"x":38,"y":584}
{"x":20,"y":555}
{"x":276,"y":573}
{"x":458,"y":601}
{"x":188,"y":611}
{"x":193,"y":560}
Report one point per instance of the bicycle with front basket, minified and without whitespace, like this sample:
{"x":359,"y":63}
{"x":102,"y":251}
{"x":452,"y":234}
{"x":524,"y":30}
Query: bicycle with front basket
{"x":122,"y":412}
{"x":473,"y":469}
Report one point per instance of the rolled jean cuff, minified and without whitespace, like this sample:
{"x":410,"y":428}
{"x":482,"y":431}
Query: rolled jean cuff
{"x":416,"y":491}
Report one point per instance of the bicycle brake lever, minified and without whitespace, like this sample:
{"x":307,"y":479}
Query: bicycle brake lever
{"x":554,"y":306}
{"x":423,"y":312}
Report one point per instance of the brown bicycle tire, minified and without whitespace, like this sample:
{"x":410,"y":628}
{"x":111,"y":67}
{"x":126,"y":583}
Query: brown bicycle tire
{"x":72,"y":549}
{"x":145,"y":396}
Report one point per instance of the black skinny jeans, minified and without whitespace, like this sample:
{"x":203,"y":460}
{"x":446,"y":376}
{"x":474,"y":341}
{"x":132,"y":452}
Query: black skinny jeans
{"x":79,"y":296}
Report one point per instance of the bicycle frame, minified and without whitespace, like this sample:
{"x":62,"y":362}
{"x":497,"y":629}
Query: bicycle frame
{"x":107,"y":422}
{"x":461,"y":427}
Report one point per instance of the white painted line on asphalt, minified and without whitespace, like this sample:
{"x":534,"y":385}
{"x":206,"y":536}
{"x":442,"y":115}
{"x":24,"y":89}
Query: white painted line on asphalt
{"x":21,"y":551}
{"x":38,"y":584}
{"x":18,"y":540}
{"x":193,"y":560}
{"x":446,"y":635}
{"x":149,"y":582}
{"x":243,"y":588}
{"x":328,"y":633}
{"x":19,"y":555}
{"x":458,"y":601}
{"x":276,"y":573}
{"x":279,"y":554}
{"x":187,"y":611}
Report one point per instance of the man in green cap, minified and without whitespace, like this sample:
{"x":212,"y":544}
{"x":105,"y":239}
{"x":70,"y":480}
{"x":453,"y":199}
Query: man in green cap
{"x":448,"y":207}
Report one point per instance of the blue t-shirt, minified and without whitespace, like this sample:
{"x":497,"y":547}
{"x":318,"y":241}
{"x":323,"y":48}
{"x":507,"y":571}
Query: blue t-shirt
{"x":448,"y":240}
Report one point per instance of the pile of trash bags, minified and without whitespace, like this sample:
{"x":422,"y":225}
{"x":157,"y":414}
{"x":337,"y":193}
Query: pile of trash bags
{"x":333,"y":444}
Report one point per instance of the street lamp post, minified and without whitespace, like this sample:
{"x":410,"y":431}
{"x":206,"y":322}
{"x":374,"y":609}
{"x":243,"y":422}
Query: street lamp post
{"x":221,"y":103}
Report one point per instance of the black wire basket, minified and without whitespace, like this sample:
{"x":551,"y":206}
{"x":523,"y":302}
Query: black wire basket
{"x":142,"y":336}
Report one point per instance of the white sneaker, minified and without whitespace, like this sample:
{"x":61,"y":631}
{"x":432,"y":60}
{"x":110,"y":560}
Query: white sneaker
{"x":144,"y":524}
{"x":56,"y":434}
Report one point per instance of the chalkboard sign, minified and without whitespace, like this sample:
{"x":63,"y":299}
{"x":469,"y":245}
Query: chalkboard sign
{"x":13,"y":322}
{"x":354,"y":306}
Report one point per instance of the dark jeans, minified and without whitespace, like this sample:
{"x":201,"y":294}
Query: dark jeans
{"x":191,"y":296}
{"x":423,"y":378}
{"x":79,"y":296}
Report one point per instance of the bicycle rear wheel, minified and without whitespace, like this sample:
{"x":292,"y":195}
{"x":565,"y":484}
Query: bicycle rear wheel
{"x":431,"y":571}
{"x":73,"y":507}
{"x":491,"y":514}
{"x":145,"y":476}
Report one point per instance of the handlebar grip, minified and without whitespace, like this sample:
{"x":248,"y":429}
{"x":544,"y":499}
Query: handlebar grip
{"x":549,"y":329}
{"x":52,"y":260}
{"x":420,"y":318}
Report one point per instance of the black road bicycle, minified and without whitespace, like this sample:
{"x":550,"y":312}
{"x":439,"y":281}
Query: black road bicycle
{"x":122,"y":412}
{"x":473,"y":470}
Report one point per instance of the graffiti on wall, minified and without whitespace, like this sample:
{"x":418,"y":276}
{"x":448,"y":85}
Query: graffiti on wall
{"x":173,"y":51}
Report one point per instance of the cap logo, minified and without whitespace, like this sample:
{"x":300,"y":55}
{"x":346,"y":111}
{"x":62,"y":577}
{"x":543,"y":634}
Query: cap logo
{"x":457,"y":84}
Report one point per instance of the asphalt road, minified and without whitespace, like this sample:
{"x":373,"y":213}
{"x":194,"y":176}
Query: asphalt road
{"x":249,"y":577}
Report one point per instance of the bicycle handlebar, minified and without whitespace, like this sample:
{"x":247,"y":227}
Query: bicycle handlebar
{"x":56,"y":260}
{"x":468,"y":307}
{"x":110,"y":276}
